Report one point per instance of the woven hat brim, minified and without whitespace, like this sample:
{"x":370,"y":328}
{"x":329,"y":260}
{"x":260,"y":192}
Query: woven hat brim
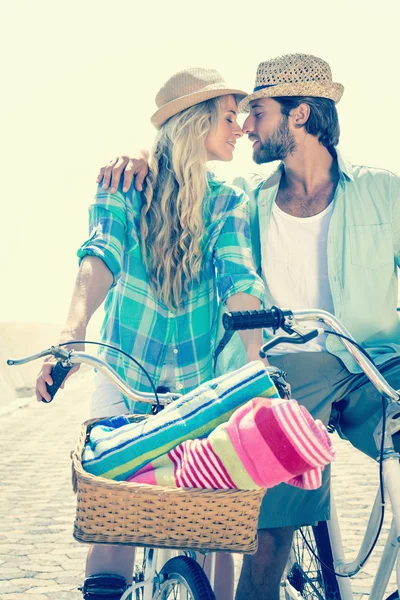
{"x":333,"y":91}
{"x":175,"y":106}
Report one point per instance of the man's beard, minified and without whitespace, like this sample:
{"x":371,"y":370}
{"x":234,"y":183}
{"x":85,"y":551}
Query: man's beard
{"x":277,"y":146}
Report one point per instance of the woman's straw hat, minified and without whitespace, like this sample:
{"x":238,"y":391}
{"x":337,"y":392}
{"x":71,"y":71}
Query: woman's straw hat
{"x":187,"y":88}
{"x":294,"y":75}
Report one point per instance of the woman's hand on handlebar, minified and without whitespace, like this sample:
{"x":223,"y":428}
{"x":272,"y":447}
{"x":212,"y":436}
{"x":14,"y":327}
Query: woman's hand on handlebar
{"x":44,"y":378}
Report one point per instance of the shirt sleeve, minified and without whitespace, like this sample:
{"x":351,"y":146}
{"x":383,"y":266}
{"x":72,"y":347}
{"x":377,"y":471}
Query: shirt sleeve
{"x":113,"y":229}
{"x":233,"y":255}
{"x":395,"y":197}
{"x":249,"y":185}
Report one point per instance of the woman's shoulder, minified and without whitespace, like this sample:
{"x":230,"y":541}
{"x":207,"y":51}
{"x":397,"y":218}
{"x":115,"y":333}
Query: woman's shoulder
{"x":225,"y":194}
{"x":130,"y":200}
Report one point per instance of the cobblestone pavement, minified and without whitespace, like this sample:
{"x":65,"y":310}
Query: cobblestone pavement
{"x":40,"y":560}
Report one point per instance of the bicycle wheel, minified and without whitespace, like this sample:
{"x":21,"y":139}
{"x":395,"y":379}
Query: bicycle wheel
{"x":305,"y":572}
{"x":183,"y":579}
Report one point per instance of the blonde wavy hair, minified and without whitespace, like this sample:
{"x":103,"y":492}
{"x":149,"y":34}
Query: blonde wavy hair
{"x":171,"y":221}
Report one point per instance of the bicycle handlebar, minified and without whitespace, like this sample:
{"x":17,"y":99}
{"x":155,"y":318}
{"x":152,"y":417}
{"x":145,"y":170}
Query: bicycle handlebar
{"x":255,"y":319}
{"x":69,"y":358}
{"x":276,"y":318}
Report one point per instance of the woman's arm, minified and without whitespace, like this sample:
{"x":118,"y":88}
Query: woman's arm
{"x":239,"y":286}
{"x":92,"y":284}
{"x":251,"y":338}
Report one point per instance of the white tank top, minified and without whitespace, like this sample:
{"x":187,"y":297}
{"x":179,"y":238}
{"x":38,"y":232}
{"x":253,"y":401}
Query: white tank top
{"x":296,"y":267}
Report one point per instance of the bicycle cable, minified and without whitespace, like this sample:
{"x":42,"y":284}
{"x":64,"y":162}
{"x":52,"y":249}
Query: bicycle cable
{"x":381,"y":483}
{"x":332,"y":571}
{"x":153,"y":387}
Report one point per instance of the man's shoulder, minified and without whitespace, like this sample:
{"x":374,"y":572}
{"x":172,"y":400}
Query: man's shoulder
{"x":375,"y":172}
{"x":253,"y":182}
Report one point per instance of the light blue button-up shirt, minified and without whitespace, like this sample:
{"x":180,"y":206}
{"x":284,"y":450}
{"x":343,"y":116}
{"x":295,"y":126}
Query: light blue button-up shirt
{"x":363,"y":256}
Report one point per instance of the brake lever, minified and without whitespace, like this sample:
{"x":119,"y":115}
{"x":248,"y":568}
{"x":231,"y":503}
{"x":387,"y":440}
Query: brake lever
{"x":55,"y":351}
{"x":298,"y":338}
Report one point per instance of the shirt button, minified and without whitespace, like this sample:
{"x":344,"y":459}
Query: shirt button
{"x":179,"y":386}
{"x":175,"y":350}
{"x":171,"y":314}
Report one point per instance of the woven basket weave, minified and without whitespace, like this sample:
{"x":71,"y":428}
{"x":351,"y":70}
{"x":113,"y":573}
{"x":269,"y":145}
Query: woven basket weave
{"x":119,"y":512}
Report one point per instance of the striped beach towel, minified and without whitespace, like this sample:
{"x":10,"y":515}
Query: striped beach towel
{"x":117,"y":449}
{"x":265,"y":442}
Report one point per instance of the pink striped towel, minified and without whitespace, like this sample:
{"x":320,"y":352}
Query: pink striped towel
{"x":265,"y":442}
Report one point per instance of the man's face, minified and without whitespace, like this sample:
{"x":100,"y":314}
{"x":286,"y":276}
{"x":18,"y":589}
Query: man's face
{"x":269,"y":129}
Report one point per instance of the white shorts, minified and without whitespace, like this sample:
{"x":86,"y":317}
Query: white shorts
{"x":106,"y":400}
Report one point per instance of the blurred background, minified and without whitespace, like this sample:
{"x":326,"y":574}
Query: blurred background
{"x":79,"y":80}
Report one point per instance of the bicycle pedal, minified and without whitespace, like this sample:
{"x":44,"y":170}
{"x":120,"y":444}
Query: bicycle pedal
{"x":104,"y":586}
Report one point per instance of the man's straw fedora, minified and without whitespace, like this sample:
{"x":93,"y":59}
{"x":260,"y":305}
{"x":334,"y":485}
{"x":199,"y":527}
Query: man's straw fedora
{"x":294,"y":75}
{"x":187,"y":88}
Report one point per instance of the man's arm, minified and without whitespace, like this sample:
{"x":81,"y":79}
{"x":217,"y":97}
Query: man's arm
{"x":91,"y":287}
{"x":395,"y":197}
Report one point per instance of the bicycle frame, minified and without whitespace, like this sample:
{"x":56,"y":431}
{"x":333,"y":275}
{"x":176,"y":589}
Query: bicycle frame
{"x":390,"y":467}
{"x":153,"y":560}
{"x":148,"y":577}
{"x":391,"y":477}
{"x":391,"y":471}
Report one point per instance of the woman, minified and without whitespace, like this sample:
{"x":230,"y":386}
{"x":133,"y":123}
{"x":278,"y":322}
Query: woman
{"x":163,"y":259}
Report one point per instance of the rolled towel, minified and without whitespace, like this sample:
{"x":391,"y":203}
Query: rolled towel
{"x":265,"y":442}
{"x":118,"y":449}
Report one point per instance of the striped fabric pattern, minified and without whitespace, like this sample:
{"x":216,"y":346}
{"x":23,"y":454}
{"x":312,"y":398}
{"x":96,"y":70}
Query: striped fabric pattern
{"x":265,"y":442}
{"x":117,"y":452}
{"x":196,"y":465}
{"x":140,"y":323}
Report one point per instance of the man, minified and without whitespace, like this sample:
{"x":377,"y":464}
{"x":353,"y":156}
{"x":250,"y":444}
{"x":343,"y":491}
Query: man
{"x":330,"y":239}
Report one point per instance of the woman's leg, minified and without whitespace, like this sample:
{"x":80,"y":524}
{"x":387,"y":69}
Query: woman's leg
{"x":117,"y":560}
{"x":107,"y":401}
{"x":224,"y":574}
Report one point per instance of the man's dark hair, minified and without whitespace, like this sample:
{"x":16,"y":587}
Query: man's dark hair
{"x":323,"y":121}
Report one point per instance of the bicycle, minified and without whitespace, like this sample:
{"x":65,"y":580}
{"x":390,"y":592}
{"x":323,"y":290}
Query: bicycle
{"x":162,"y":573}
{"x":317,"y":569}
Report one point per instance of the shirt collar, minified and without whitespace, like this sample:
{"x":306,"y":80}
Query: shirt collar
{"x":345,"y":171}
{"x":345,"y":167}
{"x":213,"y":180}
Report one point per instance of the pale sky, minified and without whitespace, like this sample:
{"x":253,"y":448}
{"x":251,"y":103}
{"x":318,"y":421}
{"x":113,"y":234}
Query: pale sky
{"x":79,"y":81}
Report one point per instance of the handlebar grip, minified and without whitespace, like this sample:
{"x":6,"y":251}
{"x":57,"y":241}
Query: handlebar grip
{"x":252,"y":319}
{"x":58,"y":375}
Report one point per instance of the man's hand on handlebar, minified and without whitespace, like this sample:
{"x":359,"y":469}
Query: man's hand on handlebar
{"x":138,"y":167}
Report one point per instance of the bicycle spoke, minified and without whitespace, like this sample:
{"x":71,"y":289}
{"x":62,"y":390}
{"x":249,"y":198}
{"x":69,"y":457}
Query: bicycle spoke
{"x":305,"y":574}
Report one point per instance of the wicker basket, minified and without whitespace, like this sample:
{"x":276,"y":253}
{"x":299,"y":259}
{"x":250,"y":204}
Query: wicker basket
{"x":119,"y":512}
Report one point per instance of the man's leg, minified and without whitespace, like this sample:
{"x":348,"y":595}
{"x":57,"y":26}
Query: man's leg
{"x":361,"y":410}
{"x":262,"y":572}
{"x":313,"y":377}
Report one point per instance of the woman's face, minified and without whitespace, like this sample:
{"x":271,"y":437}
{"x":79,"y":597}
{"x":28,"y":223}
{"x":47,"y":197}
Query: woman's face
{"x":220,"y":141}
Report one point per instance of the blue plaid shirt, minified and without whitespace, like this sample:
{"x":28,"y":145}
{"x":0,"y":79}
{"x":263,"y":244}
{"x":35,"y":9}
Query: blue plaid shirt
{"x":139,"y":322}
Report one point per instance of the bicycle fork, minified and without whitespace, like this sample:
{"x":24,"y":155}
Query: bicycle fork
{"x":391,"y":476}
